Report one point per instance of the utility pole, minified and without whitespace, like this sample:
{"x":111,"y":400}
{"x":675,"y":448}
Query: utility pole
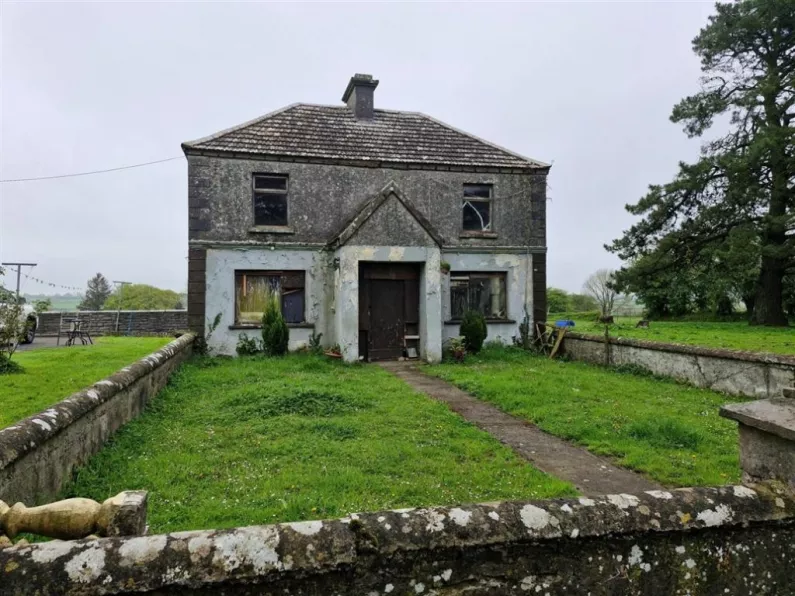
{"x":121,"y":294}
{"x":19,"y":267}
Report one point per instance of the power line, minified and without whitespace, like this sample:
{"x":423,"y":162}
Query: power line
{"x":137,"y":165}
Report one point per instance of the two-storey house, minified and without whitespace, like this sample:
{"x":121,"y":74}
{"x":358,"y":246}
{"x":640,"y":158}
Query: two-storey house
{"x":376,"y":228}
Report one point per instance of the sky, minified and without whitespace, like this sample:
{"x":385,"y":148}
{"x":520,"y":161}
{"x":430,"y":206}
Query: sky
{"x":586,"y":86}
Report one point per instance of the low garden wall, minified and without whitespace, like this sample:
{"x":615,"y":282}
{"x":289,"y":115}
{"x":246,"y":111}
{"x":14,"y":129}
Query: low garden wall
{"x":728,"y":540}
{"x":127,"y":322}
{"x":751,"y":374}
{"x":38,"y":454}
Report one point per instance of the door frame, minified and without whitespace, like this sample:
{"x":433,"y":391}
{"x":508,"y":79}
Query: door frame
{"x":409,"y":273}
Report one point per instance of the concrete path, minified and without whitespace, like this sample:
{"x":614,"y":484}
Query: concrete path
{"x":591,"y":474}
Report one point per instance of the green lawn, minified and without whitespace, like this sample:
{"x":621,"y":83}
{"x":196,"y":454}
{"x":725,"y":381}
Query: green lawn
{"x":53,"y":374}
{"x":233,"y":442}
{"x":731,"y":336}
{"x":669,"y":431}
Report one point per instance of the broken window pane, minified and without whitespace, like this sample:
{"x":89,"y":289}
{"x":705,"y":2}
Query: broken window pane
{"x":476,"y":207}
{"x":270,"y":209}
{"x":253,"y":289}
{"x":481,"y":292}
{"x":477,"y":215}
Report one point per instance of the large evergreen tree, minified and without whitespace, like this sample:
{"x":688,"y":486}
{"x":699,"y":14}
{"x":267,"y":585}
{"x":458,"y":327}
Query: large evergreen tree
{"x":97,"y":291}
{"x":745,"y":178}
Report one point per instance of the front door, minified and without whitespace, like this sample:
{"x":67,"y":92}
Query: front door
{"x":388,"y":309}
{"x":387,"y":321}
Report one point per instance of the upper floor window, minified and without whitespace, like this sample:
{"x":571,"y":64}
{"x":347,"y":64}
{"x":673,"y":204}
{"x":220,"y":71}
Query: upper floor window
{"x":253,"y":289}
{"x":477,"y":207}
{"x":270,"y":199}
{"x":481,"y":292}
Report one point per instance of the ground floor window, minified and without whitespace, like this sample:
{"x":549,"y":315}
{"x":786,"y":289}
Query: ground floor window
{"x":253,"y":288}
{"x":481,"y":292}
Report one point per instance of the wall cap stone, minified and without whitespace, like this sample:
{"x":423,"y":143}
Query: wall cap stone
{"x":761,"y":357}
{"x":32,"y":432}
{"x":775,"y":416}
{"x":288,"y":551}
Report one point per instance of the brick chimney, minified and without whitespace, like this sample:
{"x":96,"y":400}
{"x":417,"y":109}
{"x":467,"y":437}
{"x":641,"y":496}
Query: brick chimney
{"x":359,"y":96}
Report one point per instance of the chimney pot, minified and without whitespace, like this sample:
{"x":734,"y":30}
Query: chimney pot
{"x":359,"y":96}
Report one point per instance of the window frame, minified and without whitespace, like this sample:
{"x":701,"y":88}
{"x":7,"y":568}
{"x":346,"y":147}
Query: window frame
{"x":468,"y":274}
{"x":489,"y":201}
{"x":280,"y":273}
{"x":255,"y":192}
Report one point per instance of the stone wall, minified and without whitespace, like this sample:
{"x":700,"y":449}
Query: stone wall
{"x":127,"y":322}
{"x":38,"y":454}
{"x":728,"y":540}
{"x":737,"y":373}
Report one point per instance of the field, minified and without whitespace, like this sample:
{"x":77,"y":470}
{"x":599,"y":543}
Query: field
{"x":52,"y":374}
{"x":668,"y":431}
{"x":59,"y":302}
{"x":730,"y":336}
{"x":255,"y":441}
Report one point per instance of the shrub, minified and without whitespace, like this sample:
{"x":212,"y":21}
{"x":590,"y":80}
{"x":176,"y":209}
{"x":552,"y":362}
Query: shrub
{"x":247,"y":346}
{"x":8,"y":366}
{"x":473,"y":330}
{"x":275,"y":333}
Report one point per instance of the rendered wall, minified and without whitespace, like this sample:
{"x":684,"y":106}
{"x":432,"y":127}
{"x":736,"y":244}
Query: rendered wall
{"x":737,"y":373}
{"x":346,"y":295}
{"x":516,"y":266}
{"x":221,"y":265}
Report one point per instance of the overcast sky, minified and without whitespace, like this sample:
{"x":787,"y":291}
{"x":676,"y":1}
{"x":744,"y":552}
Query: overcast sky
{"x":585,"y":86}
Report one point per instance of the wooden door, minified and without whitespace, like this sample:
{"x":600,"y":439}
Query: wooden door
{"x":387,"y":319}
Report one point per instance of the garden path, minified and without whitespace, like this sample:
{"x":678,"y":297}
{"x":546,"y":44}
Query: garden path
{"x":592,"y":475}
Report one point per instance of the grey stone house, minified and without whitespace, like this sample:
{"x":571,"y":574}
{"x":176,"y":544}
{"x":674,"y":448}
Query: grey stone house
{"x":376,"y":228}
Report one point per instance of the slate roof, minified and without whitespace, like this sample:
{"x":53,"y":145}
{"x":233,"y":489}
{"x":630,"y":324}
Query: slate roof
{"x":332,"y":132}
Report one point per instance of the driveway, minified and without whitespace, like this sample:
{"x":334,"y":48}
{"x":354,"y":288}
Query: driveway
{"x":41,"y":342}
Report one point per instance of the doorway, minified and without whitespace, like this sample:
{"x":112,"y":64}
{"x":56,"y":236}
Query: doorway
{"x":389,"y":310}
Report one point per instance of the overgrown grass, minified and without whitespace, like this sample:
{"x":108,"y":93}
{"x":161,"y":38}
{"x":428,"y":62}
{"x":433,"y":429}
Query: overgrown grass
{"x":669,"y":431}
{"x":730,"y":336}
{"x":52,"y":374}
{"x":256,"y":440}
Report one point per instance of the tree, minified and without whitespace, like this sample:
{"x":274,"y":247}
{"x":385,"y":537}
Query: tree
{"x":582,"y":302}
{"x":557,"y":300}
{"x":600,"y":286}
{"x":42,"y":305}
{"x":743,"y":178}
{"x":143,"y":297}
{"x":97,"y":292}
